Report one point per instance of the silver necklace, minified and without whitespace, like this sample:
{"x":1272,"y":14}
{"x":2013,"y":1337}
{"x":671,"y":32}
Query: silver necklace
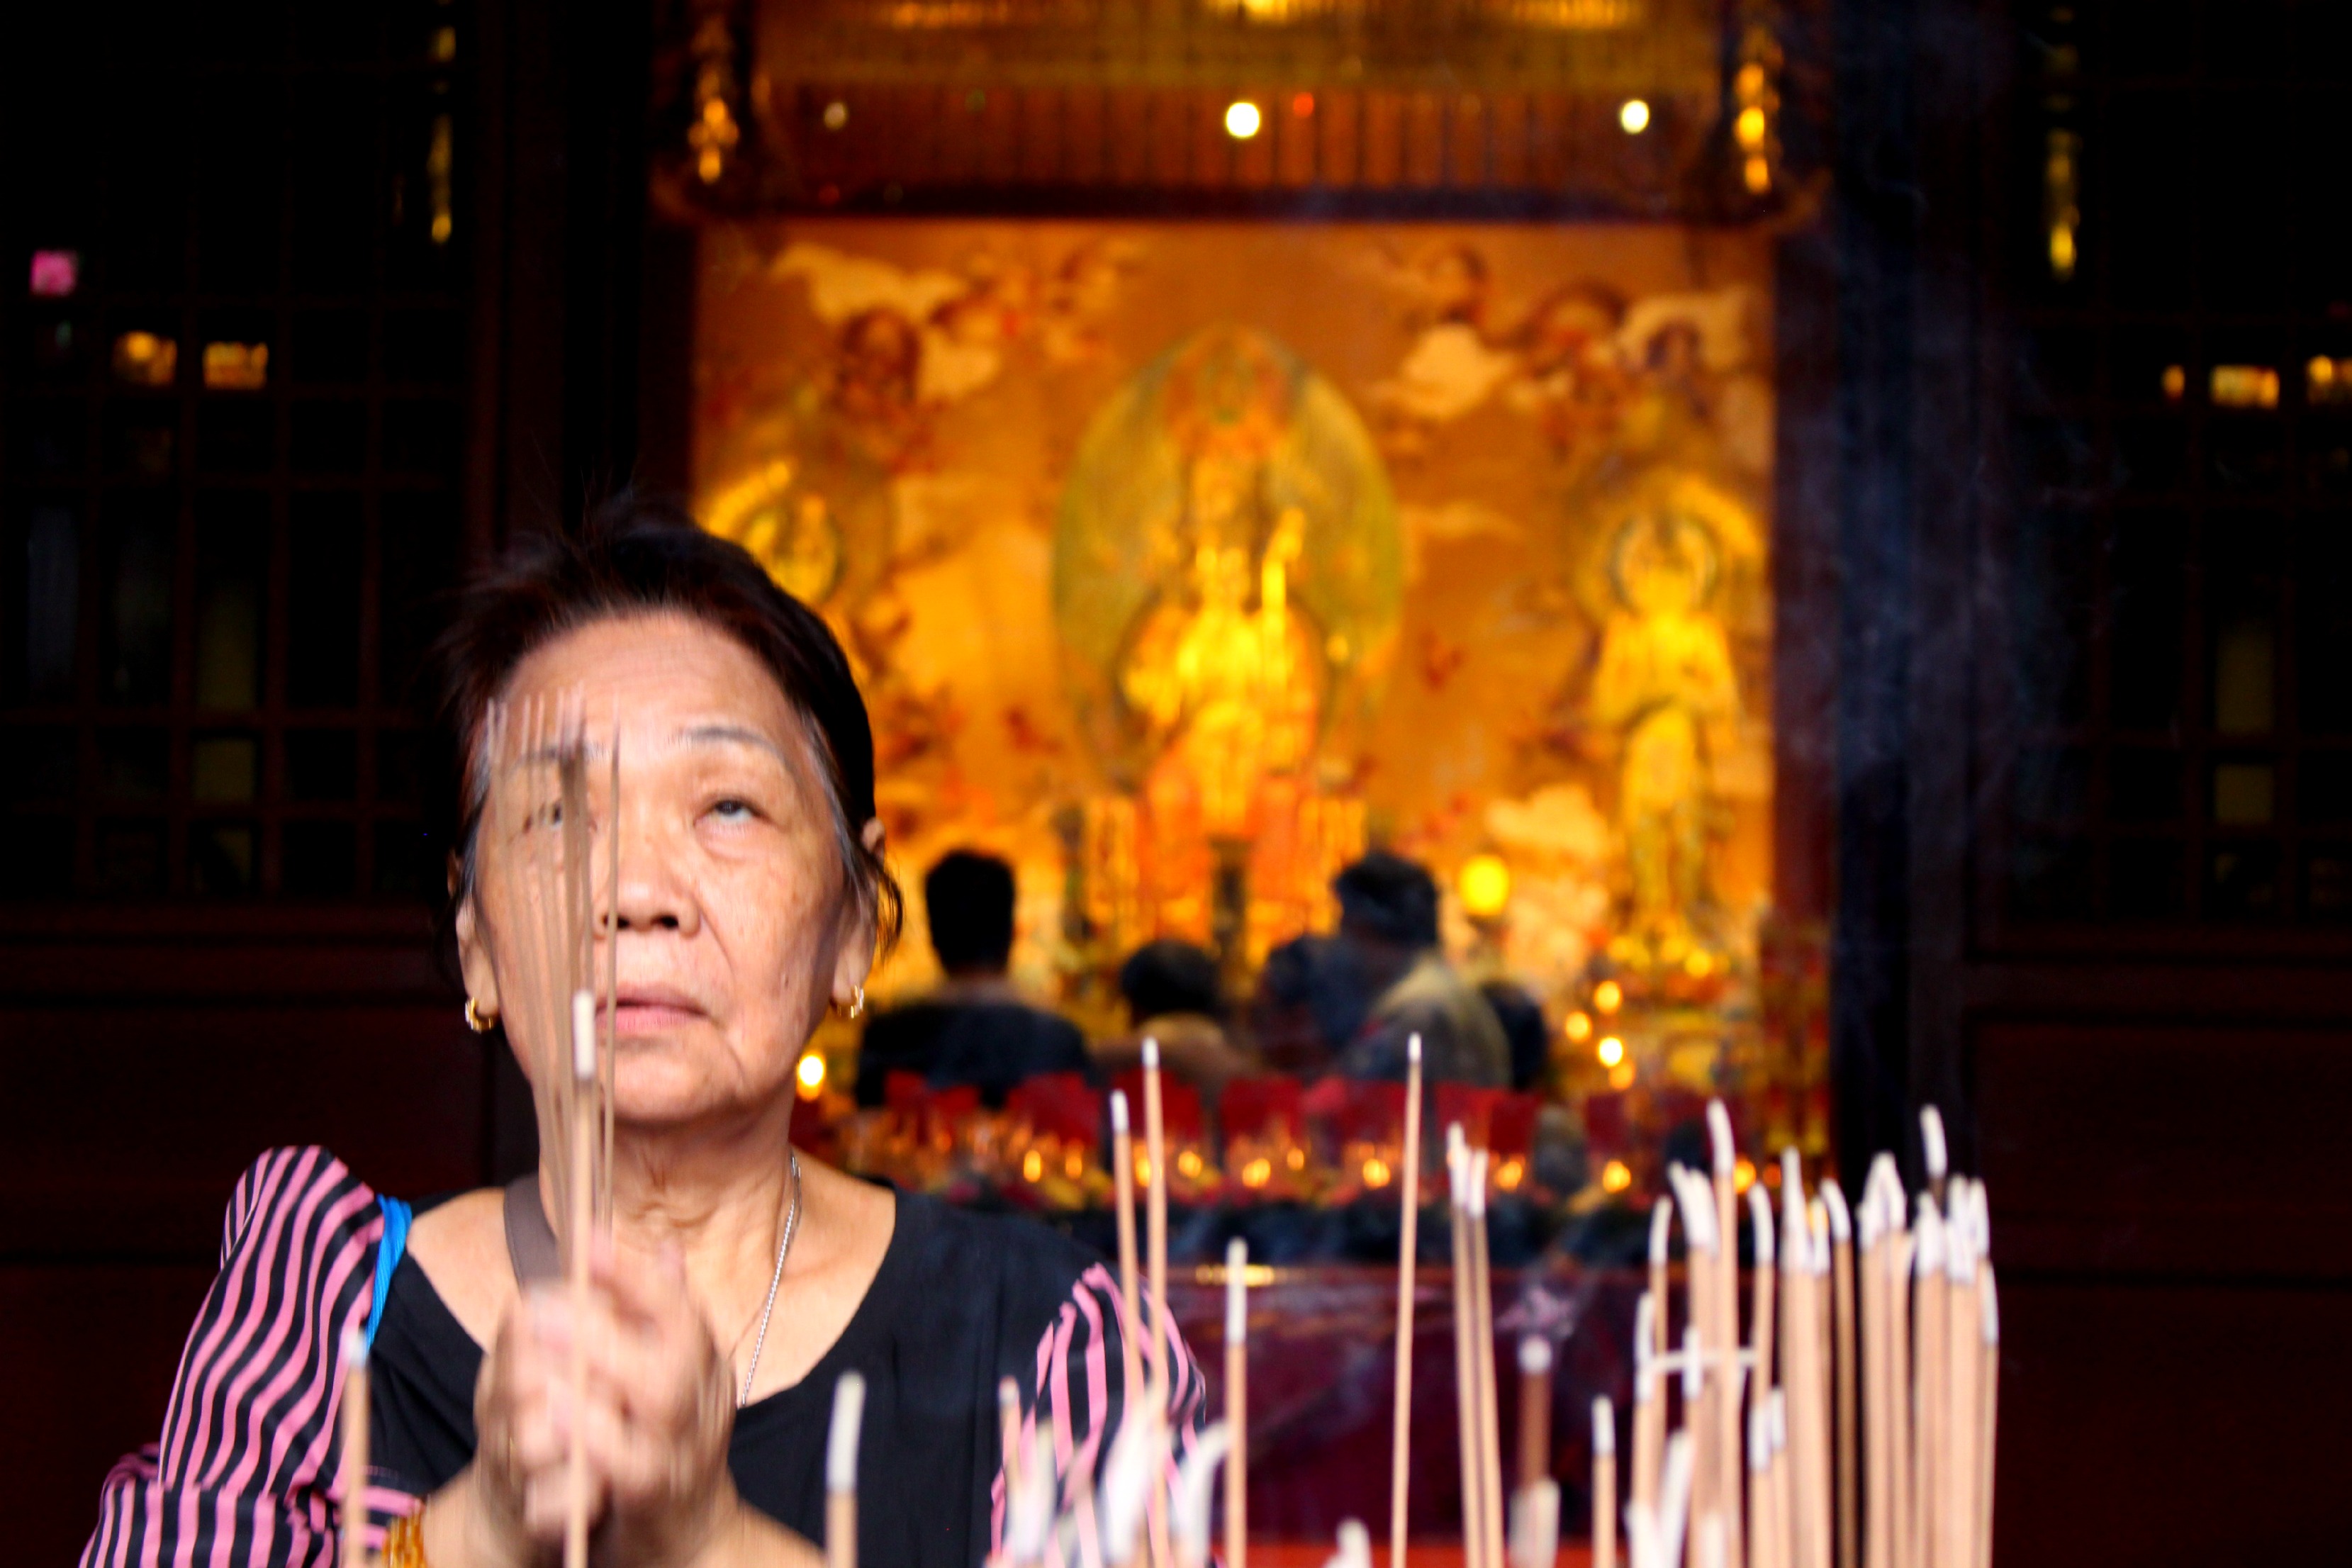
{"x":792,"y":1224}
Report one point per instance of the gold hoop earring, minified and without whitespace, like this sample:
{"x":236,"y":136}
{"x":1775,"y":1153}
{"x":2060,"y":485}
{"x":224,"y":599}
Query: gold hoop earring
{"x":479,"y":1021}
{"x":857,"y":1002}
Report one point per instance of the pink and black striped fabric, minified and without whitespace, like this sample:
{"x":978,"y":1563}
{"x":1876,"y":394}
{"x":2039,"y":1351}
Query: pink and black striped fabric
{"x":245,"y":1472}
{"x":242,"y":1473}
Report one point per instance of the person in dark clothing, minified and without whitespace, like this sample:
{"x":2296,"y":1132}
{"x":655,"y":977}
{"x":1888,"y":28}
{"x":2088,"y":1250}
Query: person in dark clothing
{"x":1175,"y":995}
{"x":1524,"y":1029}
{"x":1387,"y":924}
{"x":975,"y":1028}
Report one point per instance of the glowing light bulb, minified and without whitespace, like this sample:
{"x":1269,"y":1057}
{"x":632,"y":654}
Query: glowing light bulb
{"x":1743,"y":1175}
{"x":1257,"y":1173}
{"x":1578,"y":1027}
{"x":1242,"y":120}
{"x":1296,"y":1159}
{"x":1074,"y":1164}
{"x":1608,"y":996}
{"x":1634,"y":114}
{"x":1188,"y":1163}
{"x":811,"y":1073}
{"x":1033,"y":1166}
{"x":1376,"y":1172}
{"x":1615,"y":1177}
{"x":1486,"y":886}
{"x":1620,"y":1076}
{"x":1611,"y":1051}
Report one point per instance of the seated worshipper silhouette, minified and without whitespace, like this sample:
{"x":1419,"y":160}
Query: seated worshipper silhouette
{"x":975,"y":1028}
{"x":1175,"y":995}
{"x":1388,"y":918}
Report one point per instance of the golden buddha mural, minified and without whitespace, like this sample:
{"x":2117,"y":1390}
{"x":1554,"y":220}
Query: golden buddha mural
{"x":1227,"y":576}
{"x":1182,"y":562}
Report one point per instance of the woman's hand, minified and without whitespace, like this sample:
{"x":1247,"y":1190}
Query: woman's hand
{"x":658,"y":1412}
{"x":656,"y":1421}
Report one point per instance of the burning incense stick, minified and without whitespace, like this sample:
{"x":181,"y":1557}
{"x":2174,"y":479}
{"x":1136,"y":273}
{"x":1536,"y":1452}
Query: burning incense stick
{"x":1843,"y":1330}
{"x":1408,"y":1255}
{"x":1535,"y":1410}
{"x":1878,"y":1510}
{"x":612,"y":1056}
{"x":1989,"y":1373}
{"x":1155,"y":1145}
{"x":1662,"y":1226}
{"x":1195,"y":1480}
{"x":1929,"y":1366}
{"x":840,"y":1472}
{"x":1237,"y":1403}
{"x":1604,"y":1484}
{"x":1466,"y":1376}
{"x":1726,"y":1301}
{"x":1481,"y":1303}
{"x":1759,"y":1327}
{"x":1678,"y":1494}
{"x":1935,"y":1154}
{"x":1122,"y":1163}
{"x":352,"y":1523}
{"x":1765,"y":1528}
{"x":585,"y":1132}
{"x":1649,"y":1412}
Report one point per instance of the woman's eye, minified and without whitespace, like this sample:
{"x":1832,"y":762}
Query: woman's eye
{"x":733,"y":810}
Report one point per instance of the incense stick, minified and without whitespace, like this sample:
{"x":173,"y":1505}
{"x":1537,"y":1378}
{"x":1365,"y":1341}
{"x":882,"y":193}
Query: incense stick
{"x":1122,"y":1161}
{"x":1989,"y":1386}
{"x":1482,"y":1302}
{"x":1535,"y":1411}
{"x":1155,"y":1144}
{"x":1726,"y":1301}
{"x":582,"y":1194}
{"x":1408,"y":1258}
{"x":1466,"y":1376}
{"x":1237,"y":1403}
{"x":1649,"y":1415}
{"x":1194,"y":1477}
{"x":840,"y":1472}
{"x":1662,"y":1225}
{"x":609,"y":1073}
{"x":1929,"y":1366}
{"x":1604,"y":1484}
{"x":351,"y":1519}
{"x":1766,"y":1527}
{"x":1841,"y":1317}
{"x":1759,"y":1327}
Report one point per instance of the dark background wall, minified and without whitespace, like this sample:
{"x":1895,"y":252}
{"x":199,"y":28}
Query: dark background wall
{"x":2033,"y":604}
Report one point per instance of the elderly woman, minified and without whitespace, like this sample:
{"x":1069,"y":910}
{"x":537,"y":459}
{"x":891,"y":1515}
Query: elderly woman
{"x":741,"y":1280}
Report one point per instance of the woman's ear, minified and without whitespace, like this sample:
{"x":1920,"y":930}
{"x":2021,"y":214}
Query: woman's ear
{"x":853,"y":963}
{"x":474,"y":960}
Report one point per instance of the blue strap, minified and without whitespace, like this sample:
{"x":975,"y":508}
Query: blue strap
{"x":396,"y":1215}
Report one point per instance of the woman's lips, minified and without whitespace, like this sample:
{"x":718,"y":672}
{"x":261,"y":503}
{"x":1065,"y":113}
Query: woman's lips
{"x":648,"y":1011}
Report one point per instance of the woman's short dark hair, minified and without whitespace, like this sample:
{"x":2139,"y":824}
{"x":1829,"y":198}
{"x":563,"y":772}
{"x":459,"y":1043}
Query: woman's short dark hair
{"x":634,"y":556}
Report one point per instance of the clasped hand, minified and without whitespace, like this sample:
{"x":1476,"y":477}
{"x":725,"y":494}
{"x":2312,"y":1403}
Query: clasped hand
{"x":655,"y":1418}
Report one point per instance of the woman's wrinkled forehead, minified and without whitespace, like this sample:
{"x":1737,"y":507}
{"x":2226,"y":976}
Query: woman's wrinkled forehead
{"x":664,"y":683}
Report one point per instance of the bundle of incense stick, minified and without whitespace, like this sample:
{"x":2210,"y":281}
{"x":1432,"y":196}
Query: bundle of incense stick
{"x":1136,"y":1511}
{"x":544,"y":917}
{"x":1870,"y":1380}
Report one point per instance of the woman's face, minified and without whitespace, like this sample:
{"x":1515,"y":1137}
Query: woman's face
{"x":735,"y":926}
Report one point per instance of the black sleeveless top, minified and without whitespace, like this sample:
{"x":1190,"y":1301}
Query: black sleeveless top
{"x":961,"y":1301}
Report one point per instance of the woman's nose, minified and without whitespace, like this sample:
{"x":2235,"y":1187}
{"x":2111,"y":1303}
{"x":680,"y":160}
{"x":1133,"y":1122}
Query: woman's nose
{"x":651,"y":895}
